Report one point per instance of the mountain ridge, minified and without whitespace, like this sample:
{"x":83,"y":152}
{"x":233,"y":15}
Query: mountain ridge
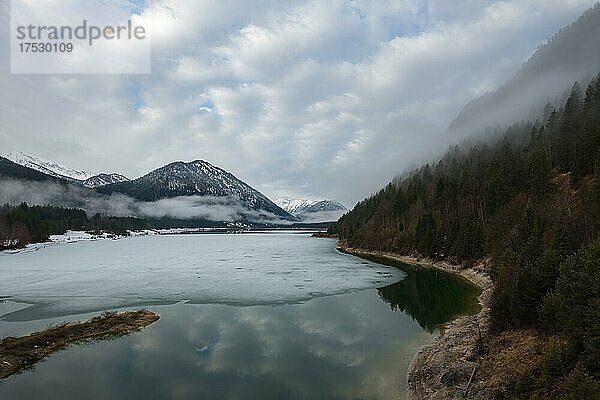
{"x":312,"y":210}
{"x":13,"y":170}
{"x":48,"y":167}
{"x":57,"y":170}
{"x":204,"y":184}
{"x":195,"y":178}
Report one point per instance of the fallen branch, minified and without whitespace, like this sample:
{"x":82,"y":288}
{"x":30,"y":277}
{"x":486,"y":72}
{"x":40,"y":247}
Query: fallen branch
{"x":470,"y":380}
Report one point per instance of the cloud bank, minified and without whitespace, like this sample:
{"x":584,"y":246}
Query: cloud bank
{"x":217,"y":209}
{"x":298,"y":98}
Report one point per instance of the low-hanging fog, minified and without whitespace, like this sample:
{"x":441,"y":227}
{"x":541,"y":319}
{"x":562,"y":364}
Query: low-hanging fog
{"x":221,"y":209}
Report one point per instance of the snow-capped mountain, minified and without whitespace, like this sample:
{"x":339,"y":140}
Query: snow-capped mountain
{"x":14,"y":171}
{"x":196,"y":178}
{"x":294,"y":206}
{"x":48,"y":167}
{"x":104,"y":179}
{"x":313,"y":210}
{"x":325,"y":206}
{"x":57,"y":170}
{"x":221,"y":191}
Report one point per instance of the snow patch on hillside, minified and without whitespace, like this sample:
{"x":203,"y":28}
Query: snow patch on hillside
{"x":104,"y":179}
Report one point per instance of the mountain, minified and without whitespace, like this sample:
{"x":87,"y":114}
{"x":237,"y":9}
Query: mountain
{"x":325,"y":206}
{"x":223,"y":194}
{"x":294,"y":206}
{"x":22,"y":184}
{"x":313,"y":210}
{"x":196,"y":178}
{"x":48,"y":167}
{"x":104,"y":179}
{"x":571,"y":55}
{"x":57,"y":170}
{"x":10,"y":169}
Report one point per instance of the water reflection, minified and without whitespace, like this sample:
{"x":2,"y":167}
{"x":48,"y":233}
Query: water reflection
{"x":350,"y":346}
{"x":430,"y":297}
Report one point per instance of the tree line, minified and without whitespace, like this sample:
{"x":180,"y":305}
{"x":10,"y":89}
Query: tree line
{"x":531,"y":202}
{"x":24,"y":224}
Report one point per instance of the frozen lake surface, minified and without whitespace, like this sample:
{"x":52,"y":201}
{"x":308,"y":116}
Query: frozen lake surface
{"x":250,"y":317}
{"x":247,"y":269}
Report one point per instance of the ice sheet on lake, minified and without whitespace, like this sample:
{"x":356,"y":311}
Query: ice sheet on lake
{"x":250,"y":269}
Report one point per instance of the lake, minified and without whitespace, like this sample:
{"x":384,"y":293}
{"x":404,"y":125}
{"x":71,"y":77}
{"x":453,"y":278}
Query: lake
{"x":245,"y":316}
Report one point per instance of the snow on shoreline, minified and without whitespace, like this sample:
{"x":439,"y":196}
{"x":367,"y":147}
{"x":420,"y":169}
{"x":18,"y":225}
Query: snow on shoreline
{"x":75,"y":237}
{"x":71,"y":237}
{"x":78,"y":236}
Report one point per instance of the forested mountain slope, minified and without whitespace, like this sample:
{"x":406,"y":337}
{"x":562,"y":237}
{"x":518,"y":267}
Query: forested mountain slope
{"x":531,"y":202}
{"x":570,"y":55}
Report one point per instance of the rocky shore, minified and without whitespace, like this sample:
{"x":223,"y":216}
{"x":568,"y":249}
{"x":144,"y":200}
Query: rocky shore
{"x":449,"y":367}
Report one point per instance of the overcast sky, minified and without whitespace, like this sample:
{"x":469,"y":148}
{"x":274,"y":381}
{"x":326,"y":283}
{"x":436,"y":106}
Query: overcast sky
{"x":317,"y":99}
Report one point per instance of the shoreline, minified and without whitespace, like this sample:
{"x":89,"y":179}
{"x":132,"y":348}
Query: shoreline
{"x":71,"y":237}
{"x":446,"y":367}
{"x":18,"y":354}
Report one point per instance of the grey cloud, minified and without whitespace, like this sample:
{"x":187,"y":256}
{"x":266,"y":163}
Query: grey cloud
{"x":312,"y":98}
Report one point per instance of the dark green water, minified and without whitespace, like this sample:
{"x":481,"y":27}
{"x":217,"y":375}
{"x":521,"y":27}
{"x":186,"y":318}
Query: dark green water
{"x":431,"y":297}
